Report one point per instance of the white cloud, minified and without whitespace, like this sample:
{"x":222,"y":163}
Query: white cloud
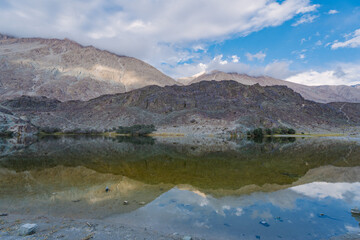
{"x":308,"y":18}
{"x":305,"y":40}
{"x":235,"y":59}
{"x":239,"y":211}
{"x":333,"y":11}
{"x":354,"y":42}
{"x":345,"y":74}
{"x":277,"y":69}
{"x":259,"y":56}
{"x":302,"y":56}
{"x":310,"y":8}
{"x":334,"y":190}
{"x":153,"y":30}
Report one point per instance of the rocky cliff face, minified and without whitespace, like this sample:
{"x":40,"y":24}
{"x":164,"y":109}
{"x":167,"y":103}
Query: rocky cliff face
{"x":323,"y":94}
{"x":226,"y":105}
{"x":65,"y":70}
{"x":11,"y":125}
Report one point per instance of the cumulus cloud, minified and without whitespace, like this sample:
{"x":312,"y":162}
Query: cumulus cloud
{"x":353,"y":42}
{"x":345,"y":74}
{"x":276,"y":69}
{"x":156,"y":31}
{"x":333,"y":11}
{"x":259,"y":56}
{"x":235,"y":59}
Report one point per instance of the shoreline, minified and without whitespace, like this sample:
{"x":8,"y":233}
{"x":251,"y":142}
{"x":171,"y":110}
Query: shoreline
{"x":50,"y":227}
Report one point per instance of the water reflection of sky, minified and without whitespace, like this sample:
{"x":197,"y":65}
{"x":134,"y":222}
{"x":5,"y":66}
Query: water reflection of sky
{"x":311,"y":211}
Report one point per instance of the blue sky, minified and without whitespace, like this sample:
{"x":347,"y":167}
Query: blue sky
{"x":306,"y":41}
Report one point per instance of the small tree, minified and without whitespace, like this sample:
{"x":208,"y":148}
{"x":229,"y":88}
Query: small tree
{"x":268,"y":131}
{"x":258,"y":132}
{"x":291,"y":131}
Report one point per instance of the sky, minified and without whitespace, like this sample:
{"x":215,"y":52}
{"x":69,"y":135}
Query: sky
{"x":313,"y":42}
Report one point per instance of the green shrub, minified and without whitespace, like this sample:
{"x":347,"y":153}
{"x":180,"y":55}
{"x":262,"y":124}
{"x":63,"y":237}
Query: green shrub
{"x":259,"y":132}
{"x":291,"y":131}
{"x":283,"y":131}
{"x":50,"y":130}
{"x":268,"y":131}
{"x":136,"y":130}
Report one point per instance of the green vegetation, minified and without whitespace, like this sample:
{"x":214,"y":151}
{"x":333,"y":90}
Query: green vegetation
{"x":49,"y":130}
{"x":136,"y":130}
{"x":76,"y":131}
{"x":260,"y":133}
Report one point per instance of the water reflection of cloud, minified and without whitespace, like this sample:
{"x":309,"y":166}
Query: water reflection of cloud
{"x":352,"y":229}
{"x":266,"y":214}
{"x":345,"y":191}
{"x":288,"y":213}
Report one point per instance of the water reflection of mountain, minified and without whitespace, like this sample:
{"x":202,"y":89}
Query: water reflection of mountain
{"x":10,"y":145}
{"x":219,"y":165}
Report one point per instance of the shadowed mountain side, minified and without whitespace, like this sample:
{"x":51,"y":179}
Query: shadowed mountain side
{"x":350,"y":110}
{"x":225,"y":105}
{"x":65,"y":70}
{"x":323,"y":93}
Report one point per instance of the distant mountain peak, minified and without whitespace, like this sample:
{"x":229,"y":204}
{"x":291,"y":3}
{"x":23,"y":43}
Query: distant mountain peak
{"x":323,"y":94}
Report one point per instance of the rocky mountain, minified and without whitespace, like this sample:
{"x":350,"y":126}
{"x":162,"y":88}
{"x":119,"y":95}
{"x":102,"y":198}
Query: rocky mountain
{"x":322,"y":94}
{"x":207,"y":106}
{"x":11,"y":125}
{"x":65,"y":70}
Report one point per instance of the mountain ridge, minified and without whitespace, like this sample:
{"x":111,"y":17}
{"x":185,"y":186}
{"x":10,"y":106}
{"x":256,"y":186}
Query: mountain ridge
{"x":322,"y":93}
{"x":66,"y":70}
{"x":204,"y":107}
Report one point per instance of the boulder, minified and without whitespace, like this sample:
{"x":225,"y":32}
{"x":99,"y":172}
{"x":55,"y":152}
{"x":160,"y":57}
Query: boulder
{"x":27,"y":229}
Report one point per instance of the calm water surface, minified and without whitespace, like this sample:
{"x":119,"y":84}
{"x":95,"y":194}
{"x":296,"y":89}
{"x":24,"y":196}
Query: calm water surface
{"x":281,"y":188}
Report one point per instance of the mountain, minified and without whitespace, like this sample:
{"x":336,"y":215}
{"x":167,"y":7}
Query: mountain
{"x":204,"y":107}
{"x":356,"y":86}
{"x":188,"y":80}
{"x":322,"y":94}
{"x":65,"y":70}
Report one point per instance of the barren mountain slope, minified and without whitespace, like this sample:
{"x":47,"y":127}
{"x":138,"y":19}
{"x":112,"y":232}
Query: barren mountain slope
{"x":323,"y":94}
{"x":65,"y":70}
{"x":225,"y":105}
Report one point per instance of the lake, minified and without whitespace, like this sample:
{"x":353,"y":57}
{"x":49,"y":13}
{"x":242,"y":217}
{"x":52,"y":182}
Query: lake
{"x":279,"y":188}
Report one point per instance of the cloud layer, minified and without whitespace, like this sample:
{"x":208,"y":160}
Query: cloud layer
{"x":342,"y":73}
{"x":157,"y":31}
